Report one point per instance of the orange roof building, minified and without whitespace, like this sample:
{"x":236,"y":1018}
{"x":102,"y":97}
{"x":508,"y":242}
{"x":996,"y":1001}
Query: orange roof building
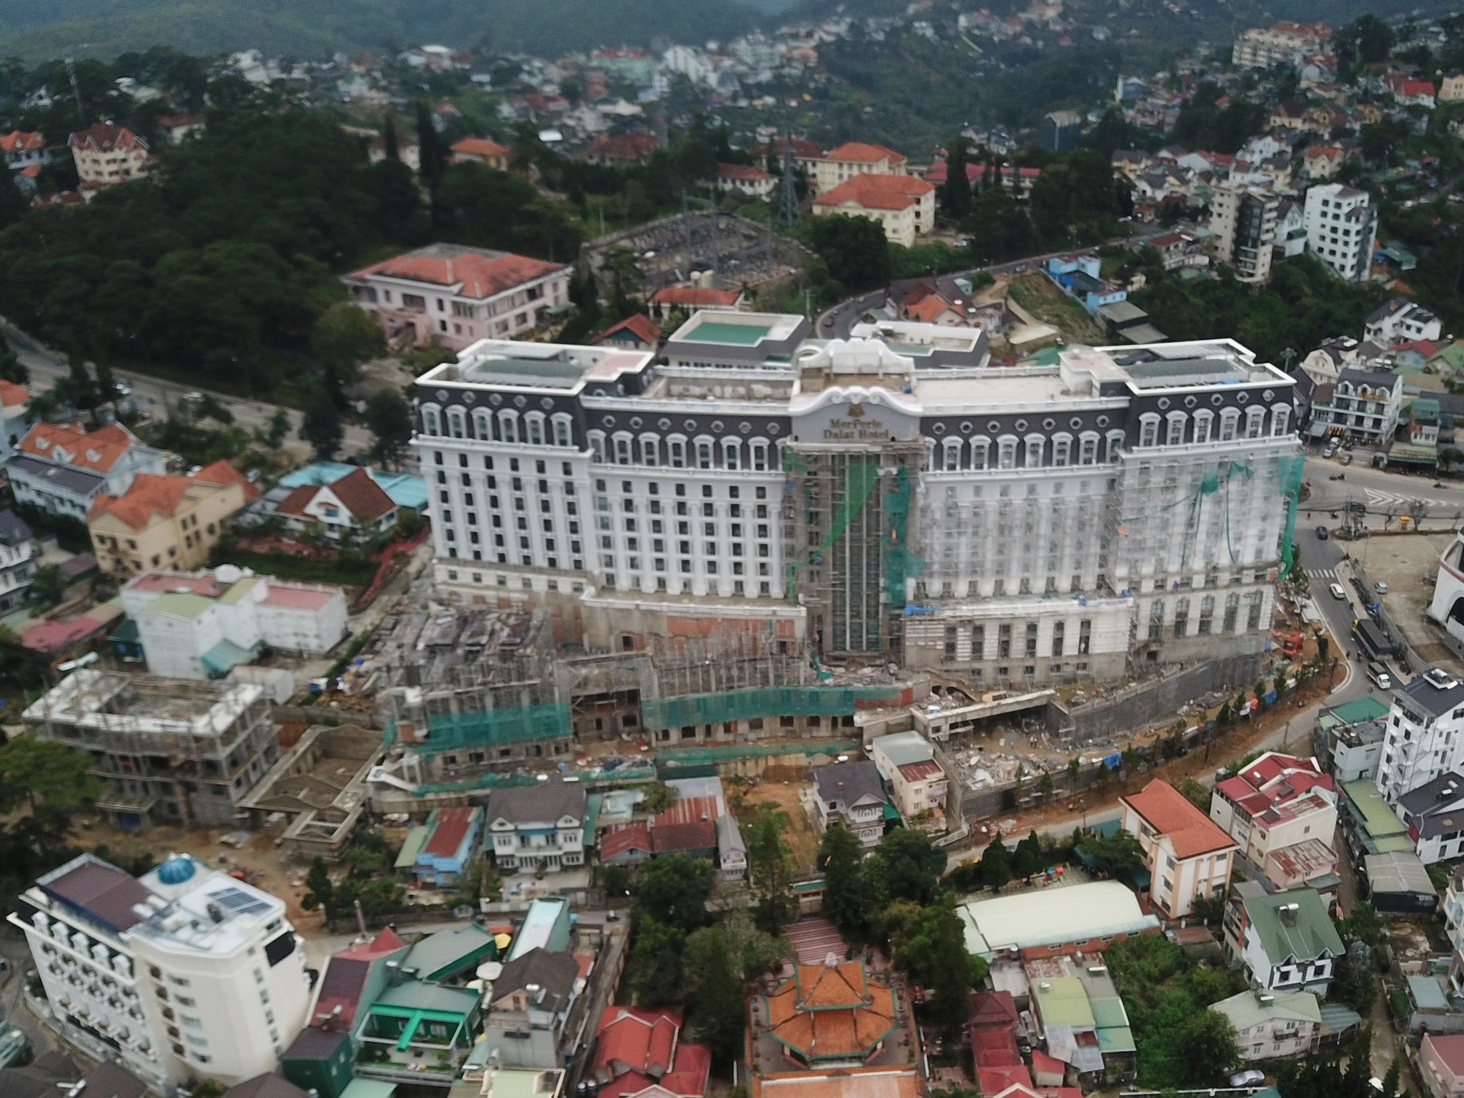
{"x":354,"y":502}
{"x":166,"y":521}
{"x":637,"y":332}
{"x":856,"y":158}
{"x":106,"y":155}
{"x":1189,"y":856}
{"x":64,"y":469}
{"x":903,"y":204}
{"x":456,"y":295}
{"x":482,"y":151}
{"x":22,"y":149}
{"x":829,"y":1015}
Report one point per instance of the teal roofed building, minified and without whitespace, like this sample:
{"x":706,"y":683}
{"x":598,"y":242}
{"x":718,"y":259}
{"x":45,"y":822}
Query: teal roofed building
{"x":404,"y":489}
{"x":417,"y":1032}
{"x":1286,"y":941}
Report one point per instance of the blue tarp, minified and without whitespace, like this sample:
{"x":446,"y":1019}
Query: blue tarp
{"x":404,"y":490}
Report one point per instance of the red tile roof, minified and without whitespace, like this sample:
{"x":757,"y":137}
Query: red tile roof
{"x":149,"y":495}
{"x":1170,"y":813}
{"x":480,"y":273}
{"x":877,"y":192}
{"x":221,"y":474}
{"x":97,"y":451}
{"x":100,"y":137}
{"x":856,"y":152}
{"x":641,"y":326}
{"x":20,"y":141}
{"x":450,"y":831}
{"x":622,"y":840}
{"x":695,"y":295}
{"x":624,"y":146}
{"x":12,"y":395}
{"x":481,"y":148}
{"x":919,"y":771}
{"x":362,"y":496}
{"x":1449,"y":1048}
{"x":742,"y":171}
{"x":638,"y":1047}
{"x":673,"y":838}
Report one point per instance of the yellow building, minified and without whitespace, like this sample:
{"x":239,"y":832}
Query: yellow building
{"x":1451,"y":88}
{"x":106,"y":155}
{"x":165,"y":521}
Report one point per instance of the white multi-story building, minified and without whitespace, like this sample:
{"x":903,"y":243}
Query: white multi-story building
{"x":1284,"y":43}
{"x":1365,"y":405}
{"x":1282,"y":812}
{"x":1400,"y":321}
{"x":63,"y":469}
{"x":1122,"y":508}
{"x":186,"y":972}
{"x":17,"y":561}
{"x":1425,"y":738}
{"x":1341,"y":228}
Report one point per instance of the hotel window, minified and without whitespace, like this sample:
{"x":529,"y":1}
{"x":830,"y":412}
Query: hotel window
{"x":732,"y":454}
{"x":563,"y":432}
{"x":508,"y":426}
{"x":1254,"y":421}
{"x":482,"y":425}
{"x":650,"y":450}
{"x":1175,"y":435}
{"x":622,"y":449}
{"x":1061,"y":448}
{"x":979,"y":448}
{"x":1148,"y":430}
{"x":429,"y":421}
{"x":1280,"y":420}
{"x":1228,"y":421}
{"x":951,"y":456}
{"x":678,"y":453}
{"x":1088,"y":454}
{"x":703,"y":454}
{"x":1007,"y":453}
{"x":1202,"y":426}
{"x":1034,"y":451}
{"x":759,"y":455}
{"x":534,"y":422}
{"x":597,"y":446}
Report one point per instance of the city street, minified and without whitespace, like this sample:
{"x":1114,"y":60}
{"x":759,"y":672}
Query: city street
{"x":153,"y":395}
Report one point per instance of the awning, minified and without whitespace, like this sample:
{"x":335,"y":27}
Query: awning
{"x":223,"y":657}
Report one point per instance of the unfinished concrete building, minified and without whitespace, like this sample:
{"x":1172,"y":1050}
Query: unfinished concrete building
{"x":319,"y":784}
{"x":177,"y":751}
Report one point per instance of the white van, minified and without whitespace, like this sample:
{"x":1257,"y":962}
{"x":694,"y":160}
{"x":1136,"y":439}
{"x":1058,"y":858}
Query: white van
{"x":1377,"y":671}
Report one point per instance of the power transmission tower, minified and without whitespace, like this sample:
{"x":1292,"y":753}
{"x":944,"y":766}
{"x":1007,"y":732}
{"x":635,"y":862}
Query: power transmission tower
{"x":76,"y":91}
{"x":788,"y":206}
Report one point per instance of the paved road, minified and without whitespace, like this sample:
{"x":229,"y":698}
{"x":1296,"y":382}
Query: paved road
{"x":153,"y":395}
{"x":835,"y":323}
{"x":1379,"y":490}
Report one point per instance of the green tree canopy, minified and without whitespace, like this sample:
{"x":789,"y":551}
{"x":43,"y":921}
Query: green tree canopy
{"x":343,"y":338}
{"x":321,"y":426}
{"x":655,"y":962}
{"x":389,"y":419}
{"x":673,"y":890}
{"x":853,"y":248}
{"x":846,"y":903}
{"x":907,"y":865}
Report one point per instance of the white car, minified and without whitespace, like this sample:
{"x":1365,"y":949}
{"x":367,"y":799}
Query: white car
{"x":1249,"y":1078}
{"x":1380,"y":587}
{"x":1338,"y":592}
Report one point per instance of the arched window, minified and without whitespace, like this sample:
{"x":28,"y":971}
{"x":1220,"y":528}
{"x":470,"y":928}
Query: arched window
{"x":431,"y":425}
{"x":1115,"y":446}
{"x":1254,"y":421}
{"x":1006,"y":451}
{"x":1148,"y":430}
{"x":1174,"y":429}
{"x":508,"y":423}
{"x":704,"y":453}
{"x":950,"y":454}
{"x":731,"y":453}
{"x":650,"y":450}
{"x":597,"y":445}
{"x":622,"y":448}
{"x":1228,"y":421}
{"x":456,"y":423}
{"x":1204,"y":422}
{"x":1062,"y":449}
{"x":482,"y":424}
{"x":534,"y":425}
{"x":980,"y":446}
{"x":759,"y":455}
{"x":1036,"y":444}
{"x":563,"y":429}
{"x":1280,"y":420}
{"x":1088,"y":448}
{"x":677,"y":449}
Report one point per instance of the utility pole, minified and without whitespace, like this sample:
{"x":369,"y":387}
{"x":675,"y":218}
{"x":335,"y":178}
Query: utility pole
{"x":76,"y":91}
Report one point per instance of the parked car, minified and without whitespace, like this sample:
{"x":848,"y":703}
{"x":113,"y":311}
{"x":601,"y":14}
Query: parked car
{"x":1251,"y":1077}
{"x":1380,"y":587}
{"x":1337,"y":591}
{"x":1321,"y":533}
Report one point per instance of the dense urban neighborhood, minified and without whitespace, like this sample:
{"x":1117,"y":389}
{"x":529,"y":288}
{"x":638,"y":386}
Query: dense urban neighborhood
{"x":695,"y":569}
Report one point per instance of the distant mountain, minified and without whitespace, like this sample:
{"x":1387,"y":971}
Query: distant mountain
{"x":308,"y":28}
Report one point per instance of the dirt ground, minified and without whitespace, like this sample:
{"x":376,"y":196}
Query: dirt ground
{"x":784,"y":786}
{"x":1040,"y":296}
{"x":1407,"y":563}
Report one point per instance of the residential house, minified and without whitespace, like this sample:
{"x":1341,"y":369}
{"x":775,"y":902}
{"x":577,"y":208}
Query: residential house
{"x":1188,"y":856}
{"x":1441,"y":1062}
{"x":1411,"y":93}
{"x":852,"y":794}
{"x":1325,"y":364}
{"x":166,"y":521}
{"x":1365,"y":405}
{"x":1285,"y":941}
{"x":546,"y":925}
{"x":688,"y":827}
{"x":179,"y":127}
{"x":640,"y":1053}
{"x":1273,"y":1025}
{"x":64,"y":470}
{"x":1322,"y":162}
{"x":355,"y":503}
{"x":806,"y":155}
{"x":437,"y":854}
{"x":693,"y":299}
{"x":13,"y":420}
{"x":907,"y":762}
{"x":1290,"y":229}
{"x":748,"y":179}
{"x":233,"y":605}
{"x":1434,"y":815}
{"x":320,"y":1061}
{"x":538,"y":825}
{"x":23,"y":150}
{"x":17,"y":561}
{"x":854,"y":158}
{"x":1341,"y":229}
{"x":731,"y":850}
{"x":1354,"y":732}
{"x":416,"y":1027}
{"x":352,"y":978}
{"x":634,"y":333}
{"x":456,"y":295}
{"x":268,"y":1085}
{"x":1279,"y":809}
{"x":904,"y":205}
{"x":106,"y":155}
{"x":1451,"y":88}
{"x":1171,"y":247}
{"x":1400,"y":321}
{"x":1283,"y":43}
{"x":480,"y":150}
{"x":1079,"y":277}
{"x":623,"y":150}
{"x":535,"y":1011}
{"x":407,"y":151}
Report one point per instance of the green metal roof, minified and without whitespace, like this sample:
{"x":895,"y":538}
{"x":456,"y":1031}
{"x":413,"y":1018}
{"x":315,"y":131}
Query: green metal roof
{"x":1246,"y":1009}
{"x":1306,"y":937}
{"x":1108,"y":1013}
{"x":1063,"y":1001}
{"x":1116,"y":1039}
{"x":450,"y":951}
{"x":416,"y":839}
{"x":1382,"y":830}
{"x":239,"y":589}
{"x":225,"y":656}
{"x":419,"y":995}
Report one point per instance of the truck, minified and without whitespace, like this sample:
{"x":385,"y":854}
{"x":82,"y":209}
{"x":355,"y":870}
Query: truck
{"x":1374,"y":641}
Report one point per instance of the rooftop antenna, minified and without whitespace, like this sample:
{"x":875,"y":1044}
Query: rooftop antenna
{"x":788,"y":200}
{"x":76,"y":91}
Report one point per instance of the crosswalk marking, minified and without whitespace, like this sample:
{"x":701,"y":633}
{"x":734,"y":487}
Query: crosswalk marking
{"x":1322,"y":573}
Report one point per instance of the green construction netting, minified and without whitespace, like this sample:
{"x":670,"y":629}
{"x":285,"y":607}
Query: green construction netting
{"x":1291,"y":470}
{"x":859,"y":483}
{"x":899,"y":563}
{"x":770,"y":701}
{"x":695,"y":756}
{"x":495,"y":727}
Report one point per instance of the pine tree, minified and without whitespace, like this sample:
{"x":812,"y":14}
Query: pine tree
{"x":11,"y":368}
{"x":429,"y":148}
{"x":955,"y":195}
{"x":389,"y":137}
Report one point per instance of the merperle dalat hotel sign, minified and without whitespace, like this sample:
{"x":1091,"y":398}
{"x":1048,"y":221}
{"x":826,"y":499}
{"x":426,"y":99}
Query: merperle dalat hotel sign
{"x":862,"y":419}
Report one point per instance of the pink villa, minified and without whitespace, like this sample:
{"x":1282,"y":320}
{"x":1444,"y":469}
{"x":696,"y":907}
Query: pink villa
{"x":456,"y":295}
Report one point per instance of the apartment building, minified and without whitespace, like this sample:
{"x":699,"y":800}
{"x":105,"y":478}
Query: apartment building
{"x":64,"y":470}
{"x":1284,"y":43}
{"x":1423,"y":741}
{"x":166,"y":521}
{"x":841,"y":164}
{"x":1122,"y":506}
{"x":1341,"y":229}
{"x":1434,"y":815}
{"x":1401,"y":321}
{"x":1365,"y":405}
{"x":186,"y":972}
{"x":456,"y":295}
{"x":907,"y":762}
{"x":1188,"y":856}
{"x":1244,"y":221}
{"x":18,"y":553}
{"x":1280,"y":810}
{"x":106,"y":155}
{"x":176,"y":751}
